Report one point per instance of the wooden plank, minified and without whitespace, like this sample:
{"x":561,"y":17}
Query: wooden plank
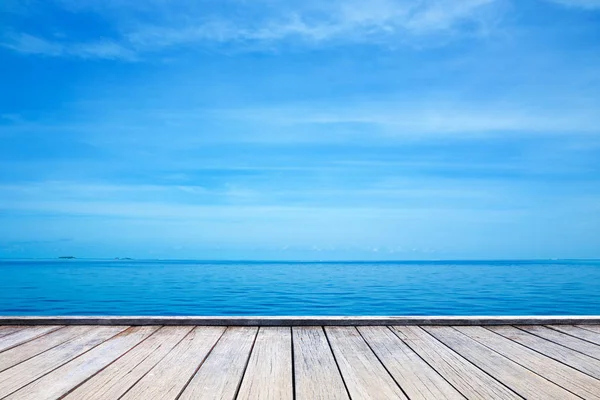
{"x":583,"y":346}
{"x":28,"y":371}
{"x":301,"y":320}
{"x":585,"y":334}
{"x":593,"y":328}
{"x":30,"y":349}
{"x":317,"y":376}
{"x":523,"y":381}
{"x":220,"y":375}
{"x":8,"y":330}
{"x":418,"y":380}
{"x":471,"y":381}
{"x":364,"y":375}
{"x":25,"y":335}
{"x":63,"y":379}
{"x":113,"y":381}
{"x":575,"y":359}
{"x":567,"y":377}
{"x":168,"y":378}
{"x":268,"y":375}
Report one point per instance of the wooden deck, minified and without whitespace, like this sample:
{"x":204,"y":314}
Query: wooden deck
{"x":300,"y":362}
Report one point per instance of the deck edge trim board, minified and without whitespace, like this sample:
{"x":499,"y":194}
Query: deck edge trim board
{"x":299,"y":320}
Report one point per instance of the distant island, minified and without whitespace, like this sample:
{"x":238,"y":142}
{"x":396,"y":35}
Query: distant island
{"x":74,"y":258}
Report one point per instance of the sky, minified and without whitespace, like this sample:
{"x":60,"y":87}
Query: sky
{"x":300,"y":130}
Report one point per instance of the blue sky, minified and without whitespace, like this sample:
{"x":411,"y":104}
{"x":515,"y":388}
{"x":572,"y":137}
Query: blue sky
{"x":277,"y":129}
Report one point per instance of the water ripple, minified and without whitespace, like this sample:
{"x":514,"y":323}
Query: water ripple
{"x":267,"y":288}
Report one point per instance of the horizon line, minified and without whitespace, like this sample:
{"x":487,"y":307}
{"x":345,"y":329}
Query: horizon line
{"x":288,"y":260}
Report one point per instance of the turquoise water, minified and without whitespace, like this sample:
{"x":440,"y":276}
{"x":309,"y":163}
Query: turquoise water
{"x":292,"y":288}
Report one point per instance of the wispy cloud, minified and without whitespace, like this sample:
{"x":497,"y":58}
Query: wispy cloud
{"x":466,"y":125}
{"x":386,"y":21}
{"x":114,"y":220}
{"x":103,"y":49}
{"x":261,"y":25}
{"x":413,"y":120}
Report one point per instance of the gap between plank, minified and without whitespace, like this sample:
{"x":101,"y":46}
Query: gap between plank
{"x":515,"y":361}
{"x":112,"y":362}
{"x":425,"y":361}
{"x":195,"y":371}
{"x":470,"y":362}
{"x":336,"y":361}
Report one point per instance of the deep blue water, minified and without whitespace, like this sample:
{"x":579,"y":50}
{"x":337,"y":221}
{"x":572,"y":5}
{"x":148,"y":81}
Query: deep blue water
{"x":292,"y":288}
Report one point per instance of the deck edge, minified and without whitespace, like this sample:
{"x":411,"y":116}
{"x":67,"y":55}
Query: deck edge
{"x":298,"y":320}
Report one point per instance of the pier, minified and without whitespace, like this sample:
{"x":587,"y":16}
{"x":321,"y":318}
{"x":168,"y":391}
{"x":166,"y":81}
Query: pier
{"x":305,"y":358}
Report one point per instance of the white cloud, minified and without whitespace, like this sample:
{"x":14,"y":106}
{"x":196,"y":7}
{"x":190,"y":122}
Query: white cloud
{"x":389,"y":21}
{"x":102,"y":49}
{"x":29,"y":44}
{"x":156,"y":25}
{"x":347,"y":122}
{"x":433,"y":119}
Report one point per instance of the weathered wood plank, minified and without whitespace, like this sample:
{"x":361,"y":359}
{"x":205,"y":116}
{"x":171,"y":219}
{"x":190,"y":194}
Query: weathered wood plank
{"x":567,"y":377}
{"x":8,"y":330}
{"x":30,"y":349}
{"x":28,"y":371}
{"x":583,"y":346}
{"x":268,"y":375}
{"x":377,"y":362}
{"x":365,"y":376}
{"x":112,"y":382}
{"x":220,"y":375}
{"x":593,"y":328}
{"x":585,"y":334}
{"x":471,"y":381}
{"x":573,"y":358}
{"x":523,"y":381}
{"x":57,"y":383}
{"x":317,"y":376}
{"x":418,"y":380}
{"x":300,"y":320}
{"x":25,"y":335}
{"x":169,"y":377}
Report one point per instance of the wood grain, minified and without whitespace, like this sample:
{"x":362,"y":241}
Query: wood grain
{"x":269,"y":372}
{"x":316,"y":373}
{"x":567,"y":356}
{"x":220,"y":375}
{"x":115,"y":380}
{"x":63,"y":379}
{"x":520,"y":379}
{"x":304,"y":362}
{"x":28,"y":371}
{"x":9,"y":330}
{"x":582,"y":346}
{"x":25,"y":335}
{"x":469,"y":380}
{"x":30,"y":349}
{"x":574,"y":381}
{"x":169,"y":377}
{"x":418,"y":380}
{"x":585,"y":334}
{"x":593,"y":328}
{"x":365,"y":376}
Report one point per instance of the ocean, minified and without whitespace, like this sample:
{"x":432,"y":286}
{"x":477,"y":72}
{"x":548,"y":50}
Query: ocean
{"x":225,"y":288}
